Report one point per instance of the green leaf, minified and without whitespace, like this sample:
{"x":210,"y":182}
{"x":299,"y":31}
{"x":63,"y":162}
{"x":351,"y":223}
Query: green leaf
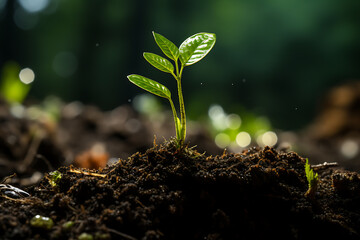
{"x":159,"y":62}
{"x":150,"y":85}
{"x":312,"y":178}
{"x":54,"y":178}
{"x":168,"y":48}
{"x":196,"y":48}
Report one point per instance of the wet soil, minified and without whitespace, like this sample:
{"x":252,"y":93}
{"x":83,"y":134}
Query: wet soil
{"x":165,"y":193}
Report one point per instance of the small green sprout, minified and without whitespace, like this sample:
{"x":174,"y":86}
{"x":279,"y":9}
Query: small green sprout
{"x":312,"y":179}
{"x":192,"y":50}
{"x":54,"y":178}
{"x":42,"y":222}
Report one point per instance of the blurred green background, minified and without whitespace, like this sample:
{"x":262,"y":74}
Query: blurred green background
{"x":272,"y":58}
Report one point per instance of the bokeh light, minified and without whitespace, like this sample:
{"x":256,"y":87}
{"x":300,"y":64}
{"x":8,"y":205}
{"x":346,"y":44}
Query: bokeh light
{"x":27,"y":75}
{"x":217,"y":116}
{"x":222,"y":140}
{"x":233,"y":121}
{"x":349,"y":149}
{"x":268,"y":138}
{"x":243,"y":139}
{"x":33,"y":6}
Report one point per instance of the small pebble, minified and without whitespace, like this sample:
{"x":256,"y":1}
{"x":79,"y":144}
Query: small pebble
{"x":85,"y":236}
{"x":42,"y":222}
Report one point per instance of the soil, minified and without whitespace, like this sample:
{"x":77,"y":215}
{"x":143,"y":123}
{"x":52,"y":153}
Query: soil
{"x":166,"y":193}
{"x":161,"y":192}
{"x":82,"y":135}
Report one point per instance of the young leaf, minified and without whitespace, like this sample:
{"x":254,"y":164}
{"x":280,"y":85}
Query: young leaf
{"x":196,"y":48}
{"x":168,"y":48}
{"x":159,"y":62}
{"x":150,"y":85}
{"x":312,"y":178}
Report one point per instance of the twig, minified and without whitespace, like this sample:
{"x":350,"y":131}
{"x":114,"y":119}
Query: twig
{"x":87,"y":173}
{"x":325,"y":165}
{"x":8,"y":177}
{"x":121,"y":234}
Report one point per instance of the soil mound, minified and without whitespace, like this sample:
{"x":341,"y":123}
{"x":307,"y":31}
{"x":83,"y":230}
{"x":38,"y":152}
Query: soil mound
{"x":165,"y":193}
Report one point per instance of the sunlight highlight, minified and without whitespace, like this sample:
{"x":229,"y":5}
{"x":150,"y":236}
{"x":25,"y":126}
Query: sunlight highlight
{"x":218,"y":117}
{"x":233,"y":121}
{"x":33,"y":6}
{"x":349,"y":149}
{"x":27,"y":75}
{"x":267,"y":139}
{"x":222,"y":140}
{"x":243,"y":139}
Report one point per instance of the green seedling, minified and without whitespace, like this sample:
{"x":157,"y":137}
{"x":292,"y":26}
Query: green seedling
{"x":191,"y":51}
{"x":54,"y":178}
{"x":312,"y":179}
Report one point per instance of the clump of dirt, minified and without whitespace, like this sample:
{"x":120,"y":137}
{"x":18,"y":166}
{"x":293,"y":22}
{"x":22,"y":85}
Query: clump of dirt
{"x":166,"y":193}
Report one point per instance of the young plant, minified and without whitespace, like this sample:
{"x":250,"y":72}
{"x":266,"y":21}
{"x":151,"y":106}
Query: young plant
{"x":54,"y":178}
{"x":312,"y":179}
{"x":192,"y":50}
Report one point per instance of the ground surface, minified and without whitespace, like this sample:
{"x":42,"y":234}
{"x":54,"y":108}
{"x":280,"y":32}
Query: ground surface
{"x":163,"y":193}
{"x":80,"y":135}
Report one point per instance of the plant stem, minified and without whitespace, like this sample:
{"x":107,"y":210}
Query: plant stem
{"x":182,"y":107}
{"x":175,"y":119}
{"x":177,"y":68}
{"x":180,"y":130}
{"x":181,"y":70}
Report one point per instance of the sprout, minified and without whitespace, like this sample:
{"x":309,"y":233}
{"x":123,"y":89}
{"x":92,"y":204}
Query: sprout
{"x":312,"y":179}
{"x":54,"y":178}
{"x":192,"y":50}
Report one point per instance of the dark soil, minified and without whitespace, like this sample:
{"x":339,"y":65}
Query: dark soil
{"x":165,"y":193}
{"x":32,"y":147}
